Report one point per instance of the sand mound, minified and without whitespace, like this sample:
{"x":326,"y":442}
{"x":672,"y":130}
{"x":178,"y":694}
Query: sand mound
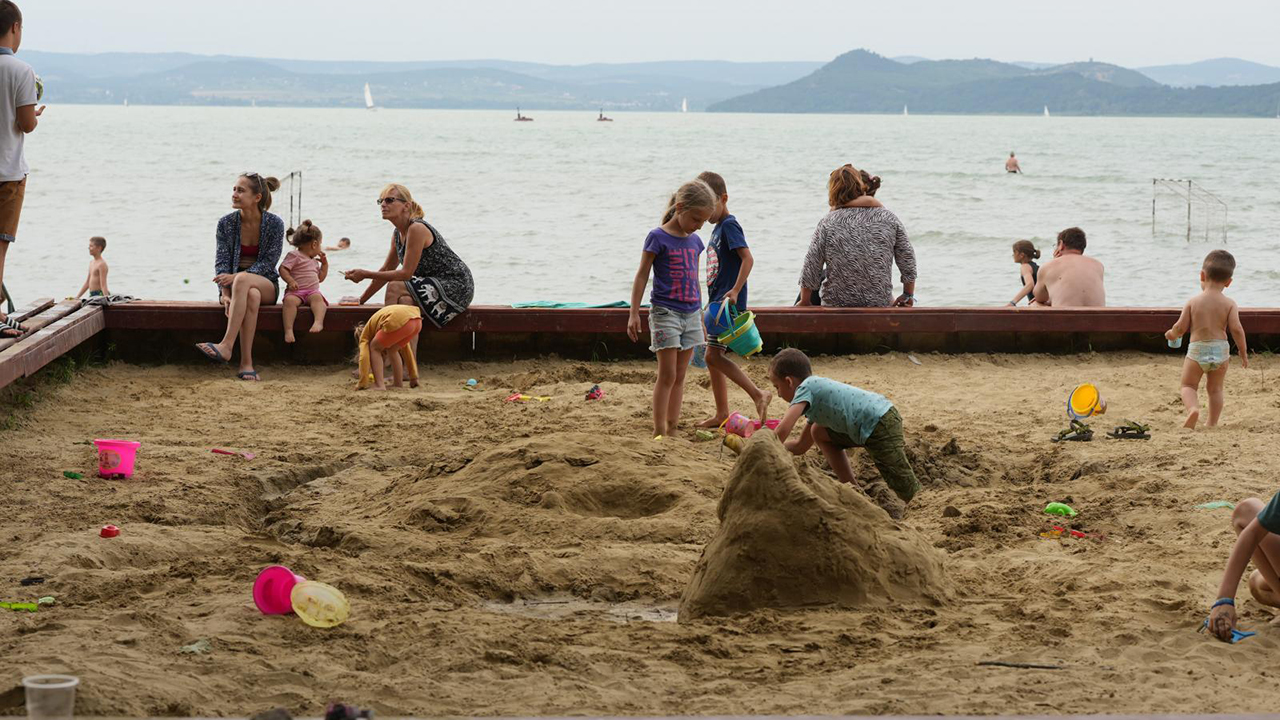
{"x":789,"y":540}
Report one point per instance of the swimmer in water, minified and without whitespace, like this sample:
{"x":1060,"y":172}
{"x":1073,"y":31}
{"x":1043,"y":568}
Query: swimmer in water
{"x":1011,"y":165}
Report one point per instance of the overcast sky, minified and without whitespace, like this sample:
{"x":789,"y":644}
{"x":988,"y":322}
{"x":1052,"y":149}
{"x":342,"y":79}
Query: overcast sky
{"x":1126,"y":32}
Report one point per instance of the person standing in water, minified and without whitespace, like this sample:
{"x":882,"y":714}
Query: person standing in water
{"x":1011,"y":165}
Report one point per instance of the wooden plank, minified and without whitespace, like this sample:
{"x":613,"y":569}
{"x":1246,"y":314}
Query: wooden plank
{"x":790,"y":320}
{"x":50,"y":342}
{"x":31,"y":308}
{"x":40,"y":319}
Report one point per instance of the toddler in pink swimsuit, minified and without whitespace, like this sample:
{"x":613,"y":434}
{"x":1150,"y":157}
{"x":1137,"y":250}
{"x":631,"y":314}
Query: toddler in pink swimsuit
{"x":302,"y":270}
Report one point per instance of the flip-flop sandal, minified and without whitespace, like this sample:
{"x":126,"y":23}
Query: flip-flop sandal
{"x":248,"y":375}
{"x":1078,"y":432}
{"x":211,"y":352}
{"x":1131,"y":431}
{"x":13,"y":328}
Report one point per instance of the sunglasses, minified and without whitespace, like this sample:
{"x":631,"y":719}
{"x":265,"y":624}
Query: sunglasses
{"x":388,"y":200}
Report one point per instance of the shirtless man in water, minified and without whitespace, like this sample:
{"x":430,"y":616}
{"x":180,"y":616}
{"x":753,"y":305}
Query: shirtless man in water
{"x":1011,"y":165}
{"x":1070,"y":279}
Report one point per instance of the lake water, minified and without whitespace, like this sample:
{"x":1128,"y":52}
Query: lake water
{"x":558,"y":209}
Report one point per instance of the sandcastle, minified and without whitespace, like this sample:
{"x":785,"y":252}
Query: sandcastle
{"x":789,"y":539}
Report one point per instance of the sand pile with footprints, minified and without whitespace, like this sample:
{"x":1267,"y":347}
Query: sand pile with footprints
{"x":530,"y":559}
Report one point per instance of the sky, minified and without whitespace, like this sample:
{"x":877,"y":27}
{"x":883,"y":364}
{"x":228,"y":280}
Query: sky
{"x":1132,"y":33}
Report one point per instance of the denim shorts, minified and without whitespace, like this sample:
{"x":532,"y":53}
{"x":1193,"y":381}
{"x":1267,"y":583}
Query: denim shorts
{"x":671,"y":330}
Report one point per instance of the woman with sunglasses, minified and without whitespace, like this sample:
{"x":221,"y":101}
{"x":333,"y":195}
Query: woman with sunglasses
{"x":249,"y":244}
{"x":421,"y":269}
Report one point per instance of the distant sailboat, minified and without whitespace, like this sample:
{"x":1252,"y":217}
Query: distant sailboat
{"x":602,"y":118}
{"x":904,"y":111}
{"x":368,"y":98}
{"x":522,"y":118}
{"x":1046,"y":111}
{"x":126,"y":104}
{"x":684,"y":105}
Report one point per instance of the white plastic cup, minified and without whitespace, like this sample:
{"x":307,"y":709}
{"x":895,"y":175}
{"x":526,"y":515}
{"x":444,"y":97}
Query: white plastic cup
{"x":50,"y":697}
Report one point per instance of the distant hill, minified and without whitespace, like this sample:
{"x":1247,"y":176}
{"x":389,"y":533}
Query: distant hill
{"x":864,"y":82}
{"x":1214,"y":73}
{"x":187,"y":79}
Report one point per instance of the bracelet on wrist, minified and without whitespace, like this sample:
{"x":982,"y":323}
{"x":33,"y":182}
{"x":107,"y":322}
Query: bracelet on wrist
{"x":1223,"y":601}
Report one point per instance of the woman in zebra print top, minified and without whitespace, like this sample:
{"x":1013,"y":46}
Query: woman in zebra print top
{"x":854,"y":248}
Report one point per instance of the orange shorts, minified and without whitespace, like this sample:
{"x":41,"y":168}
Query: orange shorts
{"x":11,"y":195}
{"x":396,"y":338}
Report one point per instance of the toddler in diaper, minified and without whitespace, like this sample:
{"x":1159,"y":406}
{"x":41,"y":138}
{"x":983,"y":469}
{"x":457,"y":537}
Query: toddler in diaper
{"x":1209,"y":316}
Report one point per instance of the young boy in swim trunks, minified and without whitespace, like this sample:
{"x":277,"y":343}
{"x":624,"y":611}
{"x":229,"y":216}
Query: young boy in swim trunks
{"x":1209,"y":316}
{"x":96,"y":282}
{"x":1257,"y":529}
{"x":840,"y":417}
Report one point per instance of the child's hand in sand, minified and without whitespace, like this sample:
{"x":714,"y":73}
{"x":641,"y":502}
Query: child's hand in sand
{"x":1222,"y":620}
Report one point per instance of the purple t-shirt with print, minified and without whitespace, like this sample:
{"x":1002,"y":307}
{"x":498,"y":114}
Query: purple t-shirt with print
{"x":675,"y":270}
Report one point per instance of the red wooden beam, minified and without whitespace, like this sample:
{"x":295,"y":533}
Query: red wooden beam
{"x":774,"y":320}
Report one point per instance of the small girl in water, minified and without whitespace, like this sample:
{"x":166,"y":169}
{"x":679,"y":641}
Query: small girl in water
{"x":394,"y":327}
{"x":1025,"y":254}
{"x":671,"y":251}
{"x":302,"y":275}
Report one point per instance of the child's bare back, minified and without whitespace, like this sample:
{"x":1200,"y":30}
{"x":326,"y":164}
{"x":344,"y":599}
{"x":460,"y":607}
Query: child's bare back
{"x":1209,"y":316}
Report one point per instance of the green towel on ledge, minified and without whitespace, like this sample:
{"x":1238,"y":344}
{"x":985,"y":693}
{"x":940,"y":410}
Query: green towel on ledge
{"x":552,"y":305}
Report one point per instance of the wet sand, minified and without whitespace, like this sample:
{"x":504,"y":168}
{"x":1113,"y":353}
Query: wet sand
{"x":528,"y":559}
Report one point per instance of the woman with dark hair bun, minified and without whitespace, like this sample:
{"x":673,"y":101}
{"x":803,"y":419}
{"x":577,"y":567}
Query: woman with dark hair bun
{"x":855,"y":247}
{"x":249,"y":241}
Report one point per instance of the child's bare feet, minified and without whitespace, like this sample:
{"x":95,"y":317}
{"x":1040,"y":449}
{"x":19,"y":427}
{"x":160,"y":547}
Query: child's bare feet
{"x":317,"y":327}
{"x":1193,"y":417}
{"x":413,"y":383}
{"x":288,"y":336}
{"x":762,"y":405}
{"x":714,"y":421}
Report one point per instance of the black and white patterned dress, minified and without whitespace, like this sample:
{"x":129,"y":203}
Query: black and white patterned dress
{"x":442,"y":283}
{"x":857,"y":247}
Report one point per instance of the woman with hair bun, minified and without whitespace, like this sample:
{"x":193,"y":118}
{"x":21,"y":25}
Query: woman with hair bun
{"x":855,"y":247}
{"x":421,"y":269}
{"x":249,"y":241}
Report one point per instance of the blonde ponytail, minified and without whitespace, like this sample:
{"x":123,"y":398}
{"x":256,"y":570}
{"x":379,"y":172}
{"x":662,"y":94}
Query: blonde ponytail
{"x":693,"y":194}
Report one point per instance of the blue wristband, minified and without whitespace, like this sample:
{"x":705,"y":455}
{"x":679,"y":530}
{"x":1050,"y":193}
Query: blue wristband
{"x":1223,"y":601}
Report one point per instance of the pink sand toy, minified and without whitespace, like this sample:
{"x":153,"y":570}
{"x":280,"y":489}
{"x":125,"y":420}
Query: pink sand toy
{"x":273,"y":589}
{"x":743,"y":426}
{"x":115,"y":457}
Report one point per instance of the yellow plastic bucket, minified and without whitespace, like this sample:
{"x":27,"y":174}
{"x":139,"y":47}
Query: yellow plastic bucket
{"x":1085,"y":401}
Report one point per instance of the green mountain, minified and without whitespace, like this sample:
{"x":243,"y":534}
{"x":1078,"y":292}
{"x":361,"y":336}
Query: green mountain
{"x":186,"y":79}
{"x":864,"y":82}
{"x":1214,"y":73}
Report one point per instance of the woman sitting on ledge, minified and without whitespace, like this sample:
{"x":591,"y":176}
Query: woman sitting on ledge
{"x":249,"y":244}
{"x":855,"y":246}
{"x":421,"y":269}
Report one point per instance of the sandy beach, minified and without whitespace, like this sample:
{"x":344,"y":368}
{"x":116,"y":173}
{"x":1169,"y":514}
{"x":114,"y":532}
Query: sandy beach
{"x":529,"y":559}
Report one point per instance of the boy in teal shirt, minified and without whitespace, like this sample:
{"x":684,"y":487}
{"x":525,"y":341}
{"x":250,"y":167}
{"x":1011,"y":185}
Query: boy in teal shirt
{"x":1258,"y":538}
{"x":840,"y":417}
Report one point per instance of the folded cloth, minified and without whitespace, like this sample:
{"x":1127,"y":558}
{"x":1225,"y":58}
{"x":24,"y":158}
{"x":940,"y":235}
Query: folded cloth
{"x":108,"y":300}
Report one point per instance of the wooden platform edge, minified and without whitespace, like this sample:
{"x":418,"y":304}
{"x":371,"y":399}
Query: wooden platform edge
{"x":50,"y":342}
{"x":41,"y":318}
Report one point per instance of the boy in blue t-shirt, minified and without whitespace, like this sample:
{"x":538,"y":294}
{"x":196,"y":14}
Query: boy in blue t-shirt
{"x":729,"y":263}
{"x":1258,"y":538}
{"x":841,"y":417}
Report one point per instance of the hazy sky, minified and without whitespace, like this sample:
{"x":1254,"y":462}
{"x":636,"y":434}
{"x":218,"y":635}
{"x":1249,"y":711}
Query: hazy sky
{"x":1126,"y":32}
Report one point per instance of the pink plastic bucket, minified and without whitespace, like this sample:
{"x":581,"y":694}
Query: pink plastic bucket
{"x":740,"y":425}
{"x":273,"y":588}
{"x":115,"y":457}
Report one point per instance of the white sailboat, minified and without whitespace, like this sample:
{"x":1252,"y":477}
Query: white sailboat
{"x":126,"y":104}
{"x":368,"y":98}
{"x":1046,"y":111}
{"x":684,"y":105}
{"x":904,"y":111}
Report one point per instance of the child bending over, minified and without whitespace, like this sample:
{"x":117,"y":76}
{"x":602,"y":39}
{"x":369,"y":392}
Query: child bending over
{"x":840,"y":417}
{"x":671,"y":251}
{"x":394,"y":327}
{"x":96,"y":282}
{"x":1256,"y":529}
{"x":302,"y":275}
{"x":1209,"y":316}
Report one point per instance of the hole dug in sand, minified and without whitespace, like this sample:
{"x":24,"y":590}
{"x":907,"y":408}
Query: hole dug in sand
{"x":792,"y":540}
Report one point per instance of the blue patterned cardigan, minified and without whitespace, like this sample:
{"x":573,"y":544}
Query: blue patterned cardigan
{"x":270,"y":244}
